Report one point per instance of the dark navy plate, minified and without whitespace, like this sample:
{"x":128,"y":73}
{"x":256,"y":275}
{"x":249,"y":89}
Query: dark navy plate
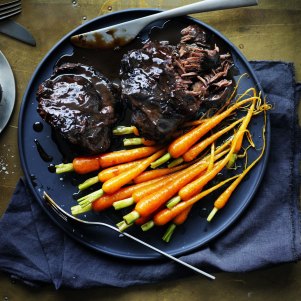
{"x":196,"y":232}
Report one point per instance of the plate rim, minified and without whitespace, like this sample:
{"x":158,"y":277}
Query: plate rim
{"x":215,"y":234}
{"x":9,"y":72}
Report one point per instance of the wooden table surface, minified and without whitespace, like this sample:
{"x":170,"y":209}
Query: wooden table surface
{"x":270,"y":31}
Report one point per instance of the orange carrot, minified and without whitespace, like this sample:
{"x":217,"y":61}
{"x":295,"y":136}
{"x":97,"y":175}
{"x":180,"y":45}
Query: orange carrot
{"x":195,"y":186}
{"x":152,"y":202}
{"x":166,"y":215}
{"x":107,"y":200}
{"x":195,"y":150}
{"x":83,"y":165}
{"x":181,"y":145}
{"x":152,"y":174}
{"x":151,"y":188}
{"x":222,"y":200}
{"x":140,"y":193}
{"x":86,"y":164}
{"x":182,"y":217}
{"x":108,"y":173}
{"x":123,"y":156}
{"x":113,"y":184}
{"x":137,"y":194}
{"x":113,"y":171}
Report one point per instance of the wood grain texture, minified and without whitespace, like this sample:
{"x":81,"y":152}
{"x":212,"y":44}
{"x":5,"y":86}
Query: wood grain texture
{"x":270,"y":31}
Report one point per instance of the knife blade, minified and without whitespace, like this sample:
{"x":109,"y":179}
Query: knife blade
{"x":17,"y":31}
{"x":8,"y":91}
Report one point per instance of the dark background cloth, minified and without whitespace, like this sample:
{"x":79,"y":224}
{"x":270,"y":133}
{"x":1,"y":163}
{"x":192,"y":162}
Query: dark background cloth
{"x":36,"y":251}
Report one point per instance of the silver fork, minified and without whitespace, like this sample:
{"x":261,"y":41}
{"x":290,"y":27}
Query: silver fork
{"x":68,"y":217}
{"x":10,"y":9}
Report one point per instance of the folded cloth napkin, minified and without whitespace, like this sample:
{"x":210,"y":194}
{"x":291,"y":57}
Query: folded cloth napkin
{"x":32,"y":248}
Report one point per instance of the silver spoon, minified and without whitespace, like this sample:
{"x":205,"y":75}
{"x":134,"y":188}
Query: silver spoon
{"x":121,"y":34}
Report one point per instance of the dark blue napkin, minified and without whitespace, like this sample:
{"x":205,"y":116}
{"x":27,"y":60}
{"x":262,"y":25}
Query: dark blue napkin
{"x":36,"y":251}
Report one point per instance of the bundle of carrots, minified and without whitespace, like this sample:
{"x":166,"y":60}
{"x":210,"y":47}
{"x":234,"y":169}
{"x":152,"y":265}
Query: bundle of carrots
{"x":132,"y":177}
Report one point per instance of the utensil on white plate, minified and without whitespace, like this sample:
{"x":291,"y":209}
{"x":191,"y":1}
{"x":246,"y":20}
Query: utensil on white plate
{"x":123,"y":33}
{"x":68,"y":218}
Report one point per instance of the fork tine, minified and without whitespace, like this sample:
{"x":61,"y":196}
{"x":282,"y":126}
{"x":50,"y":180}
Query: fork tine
{"x":9,"y":3}
{"x":10,"y":13}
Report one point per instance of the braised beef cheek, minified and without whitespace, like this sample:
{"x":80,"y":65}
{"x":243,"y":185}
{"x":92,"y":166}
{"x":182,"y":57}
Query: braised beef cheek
{"x":166,"y":85}
{"x":150,"y":87}
{"x":80,"y":104}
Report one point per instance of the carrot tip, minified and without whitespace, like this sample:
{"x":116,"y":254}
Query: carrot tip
{"x":211,"y":214}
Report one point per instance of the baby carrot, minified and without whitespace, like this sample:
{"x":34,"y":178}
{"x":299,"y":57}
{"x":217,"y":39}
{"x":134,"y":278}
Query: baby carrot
{"x":152,"y":174}
{"x":166,"y":215}
{"x":153,"y":201}
{"x":86,"y":164}
{"x":181,"y":145}
{"x":108,"y":173}
{"x":80,"y":165}
{"x":106,"y":201}
{"x":140,"y":193}
{"x":222,"y":200}
{"x":113,"y":184}
{"x":192,"y":188}
{"x":123,"y":156}
{"x":113,"y":171}
{"x":195,"y":150}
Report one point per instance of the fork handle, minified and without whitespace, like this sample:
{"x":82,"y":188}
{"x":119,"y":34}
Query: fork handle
{"x":202,"y":6}
{"x":169,"y":256}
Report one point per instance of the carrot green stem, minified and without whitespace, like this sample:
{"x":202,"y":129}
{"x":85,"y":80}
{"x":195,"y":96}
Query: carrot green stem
{"x":132,"y":141}
{"x":169,"y":232}
{"x":173,"y":202}
{"x":123,"y":203}
{"x":211,"y":214}
{"x":88,"y":183}
{"x":90,"y":198}
{"x":147,"y":226}
{"x":61,"y":168}
{"x":123,"y":130}
{"x":161,"y":160}
{"x":78,"y":209}
{"x":131,"y":217}
{"x":123,"y":226}
{"x":175,"y":162}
